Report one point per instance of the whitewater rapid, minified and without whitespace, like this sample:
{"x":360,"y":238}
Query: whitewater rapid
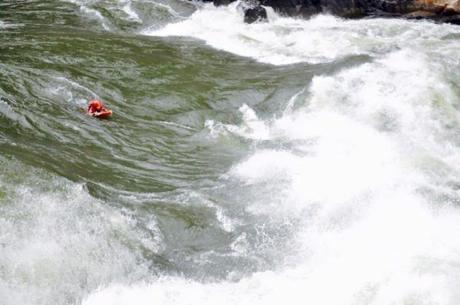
{"x":370,"y":178}
{"x":322,"y":38}
{"x":348,"y":192}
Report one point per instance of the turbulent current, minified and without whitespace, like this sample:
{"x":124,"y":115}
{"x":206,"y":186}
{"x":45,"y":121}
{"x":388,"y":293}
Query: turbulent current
{"x":288,"y":162}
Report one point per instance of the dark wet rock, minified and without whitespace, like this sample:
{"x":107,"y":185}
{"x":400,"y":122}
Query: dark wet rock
{"x":221,"y":2}
{"x":420,"y":15}
{"x":254,"y":14}
{"x":252,"y":11}
{"x":437,"y":10}
{"x":450,"y":19}
{"x":342,"y":8}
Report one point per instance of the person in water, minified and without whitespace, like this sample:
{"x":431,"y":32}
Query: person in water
{"x":96,"y":108}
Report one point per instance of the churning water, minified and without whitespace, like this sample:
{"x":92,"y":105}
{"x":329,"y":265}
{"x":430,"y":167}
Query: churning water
{"x":289,"y":162}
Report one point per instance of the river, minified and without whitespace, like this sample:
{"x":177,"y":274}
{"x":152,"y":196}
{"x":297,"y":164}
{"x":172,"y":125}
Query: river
{"x":288,"y":162}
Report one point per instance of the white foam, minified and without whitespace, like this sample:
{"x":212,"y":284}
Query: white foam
{"x":127,"y":8}
{"x":6,"y":25}
{"x":252,"y":127}
{"x":127,"y":11}
{"x":168,"y":8}
{"x":367,"y":230}
{"x":286,"y":40}
{"x":58,"y":241}
{"x":399,"y":94}
{"x":86,"y":8}
{"x":374,"y":262}
{"x":95,"y":14}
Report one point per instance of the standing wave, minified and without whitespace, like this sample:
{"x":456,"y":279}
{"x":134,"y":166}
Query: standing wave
{"x":362,"y":163}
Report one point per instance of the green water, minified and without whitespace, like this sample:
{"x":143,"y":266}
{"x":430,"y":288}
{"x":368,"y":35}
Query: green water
{"x":142,"y":161}
{"x":160,"y":90}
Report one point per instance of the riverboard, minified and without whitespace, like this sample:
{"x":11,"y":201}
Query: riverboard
{"x":102,"y":114}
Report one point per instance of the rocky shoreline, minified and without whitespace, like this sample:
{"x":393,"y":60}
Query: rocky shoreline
{"x":437,"y":10}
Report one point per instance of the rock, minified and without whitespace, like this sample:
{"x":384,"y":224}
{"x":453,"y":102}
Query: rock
{"x":437,"y":10}
{"x":252,"y":11}
{"x":304,"y":8}
{"x":444,"y":7}
{"x":221,"y":2}
{"x":451,"y":19}
{"x":420,"y":15}
{"x":254,"y":14}
{"x":452,"y":6}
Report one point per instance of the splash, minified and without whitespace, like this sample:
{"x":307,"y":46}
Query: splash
{"x":376,"y":221}
{"x":54,"y":235}
{"x":320,"y":39}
